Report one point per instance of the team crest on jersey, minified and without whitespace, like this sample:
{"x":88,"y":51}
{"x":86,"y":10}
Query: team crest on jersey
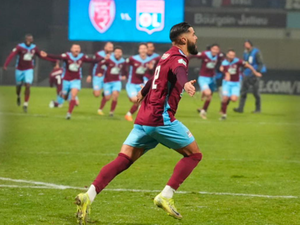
{"x":150,"y":15}
{"x":166,"y":55}
{"x":102,"y":14}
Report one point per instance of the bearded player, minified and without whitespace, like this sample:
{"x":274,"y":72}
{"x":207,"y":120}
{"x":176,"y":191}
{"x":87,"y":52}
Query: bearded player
{"x":73,"y":61}
{"x":25,"y":53}
{"x":114,"y":65}
{"x":156,"y":123}
{"x":138,"y":65}
{"x":231,"y":68}
{"x":207,"y":72}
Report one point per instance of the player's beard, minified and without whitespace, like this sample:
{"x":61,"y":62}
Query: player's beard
{"x":192,"y":48}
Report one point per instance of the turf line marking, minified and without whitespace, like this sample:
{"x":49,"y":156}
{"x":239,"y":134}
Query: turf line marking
{"x":63,"y":187}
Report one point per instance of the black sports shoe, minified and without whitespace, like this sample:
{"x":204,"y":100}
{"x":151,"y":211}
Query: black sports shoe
{"x":25,"y":108}
{"x":237,"y":110}
{"x":18,"y":101}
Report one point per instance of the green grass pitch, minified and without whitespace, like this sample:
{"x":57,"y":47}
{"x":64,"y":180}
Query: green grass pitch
{"x":247,"y":154}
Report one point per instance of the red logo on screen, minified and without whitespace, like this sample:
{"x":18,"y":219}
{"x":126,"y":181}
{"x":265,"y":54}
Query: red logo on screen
{"x":102,"y":14}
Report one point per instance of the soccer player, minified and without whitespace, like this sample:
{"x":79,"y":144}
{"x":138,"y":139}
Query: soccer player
{"x":156,"y":123}
{"x":154,"y":57}
{"x":24,"y":67}
{"x":98,"y":82}
{"x":207,"y":72}
{"x":114,"y":65}
{"x":138,"y":65}
{"x":231,"y":68}
{"x":254,"y":57}
{"x":73,"y":73}
{"x":55,"y":79}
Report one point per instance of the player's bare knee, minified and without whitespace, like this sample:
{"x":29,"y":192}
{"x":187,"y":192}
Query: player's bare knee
{"x":132,"y":152}
{"x":234,"y":98}
{"x":96,"y":93}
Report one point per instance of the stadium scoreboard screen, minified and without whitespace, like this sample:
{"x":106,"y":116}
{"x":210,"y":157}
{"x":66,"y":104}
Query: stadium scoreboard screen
{"x":124,"y":20}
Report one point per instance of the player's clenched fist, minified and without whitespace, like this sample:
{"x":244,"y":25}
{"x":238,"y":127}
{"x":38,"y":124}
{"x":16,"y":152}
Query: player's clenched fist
{"x":190,"y":88}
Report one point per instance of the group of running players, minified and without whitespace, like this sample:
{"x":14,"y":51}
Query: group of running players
{"x":108,"y":68}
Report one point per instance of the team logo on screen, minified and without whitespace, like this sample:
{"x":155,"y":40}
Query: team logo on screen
{"x":102,"y":14}
{"x":150,"y":15}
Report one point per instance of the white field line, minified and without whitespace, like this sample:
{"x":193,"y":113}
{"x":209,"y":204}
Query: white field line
{"x":44,"y":185}
{"x":194,"y":121}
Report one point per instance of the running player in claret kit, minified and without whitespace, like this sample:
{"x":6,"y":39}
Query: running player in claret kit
{"x":98,"y":82}
{"x":25,"y":53}
{"x":114,"y":69}
{"x":73,"y":73}
{"x":55,"y":79}
{"x":154,"y":57}
{"x":156,"y":123}
{"x":137,"y":67}
{"x":207,"y":72}
{"x":231,"y":67}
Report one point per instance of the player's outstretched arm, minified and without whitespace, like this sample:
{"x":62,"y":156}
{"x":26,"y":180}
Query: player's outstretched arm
{"x":10,"y":57}
{"x":258,"y":74}
{"x":50,"y":57}
{"x":43,"y":55}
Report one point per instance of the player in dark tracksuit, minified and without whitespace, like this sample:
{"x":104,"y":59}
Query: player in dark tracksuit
{"x":253,"y":56}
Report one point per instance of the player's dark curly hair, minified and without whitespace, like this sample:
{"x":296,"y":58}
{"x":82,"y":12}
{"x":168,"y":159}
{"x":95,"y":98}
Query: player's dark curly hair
{"x":179,"y":29}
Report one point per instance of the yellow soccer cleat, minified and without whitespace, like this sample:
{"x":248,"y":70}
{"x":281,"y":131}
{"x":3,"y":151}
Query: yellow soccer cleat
{"x":168,"y":205}
{"x":83,"y":208}
{"x":128,"y":118}
{"x":100,"y":112}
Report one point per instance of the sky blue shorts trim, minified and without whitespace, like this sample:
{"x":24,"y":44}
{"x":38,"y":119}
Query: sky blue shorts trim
{"x":206,"y":83}
{"x":98,"y":83}
{"x":230,"y":88}
{"x":110,"y":87}
{"x":174,"y":136}
{"x":24,"y":76}
{"x":69,"y":85}
{"x":133,"y":89}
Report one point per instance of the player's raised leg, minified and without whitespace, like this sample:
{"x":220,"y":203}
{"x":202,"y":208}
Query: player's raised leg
{"x":72,"y":103}
{"x":114,"y":102}
{"x":123,"y":161}
{"x":178,"y":137}
{"x":28,"y":79}
{"x":132,"y":91}
{"x":207,"y":85}
{"x":18,"y":92}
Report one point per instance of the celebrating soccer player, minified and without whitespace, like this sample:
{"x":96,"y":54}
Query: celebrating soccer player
{"x":55,"y":79}
{"x":24,"y":67}
{"x":154,"y":57}
{"x":156,"y":123}
{"x":138,"y":65}
{"x":72,"y":78}
{"x":98,"y":81}
{"x":231,"y":68}
{"x":114,"y":69}
{"x":207,"y":72}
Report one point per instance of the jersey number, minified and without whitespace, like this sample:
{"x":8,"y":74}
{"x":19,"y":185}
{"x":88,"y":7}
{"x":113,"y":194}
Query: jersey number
{"x":156,"y":75}
{"x":58,"y":78}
